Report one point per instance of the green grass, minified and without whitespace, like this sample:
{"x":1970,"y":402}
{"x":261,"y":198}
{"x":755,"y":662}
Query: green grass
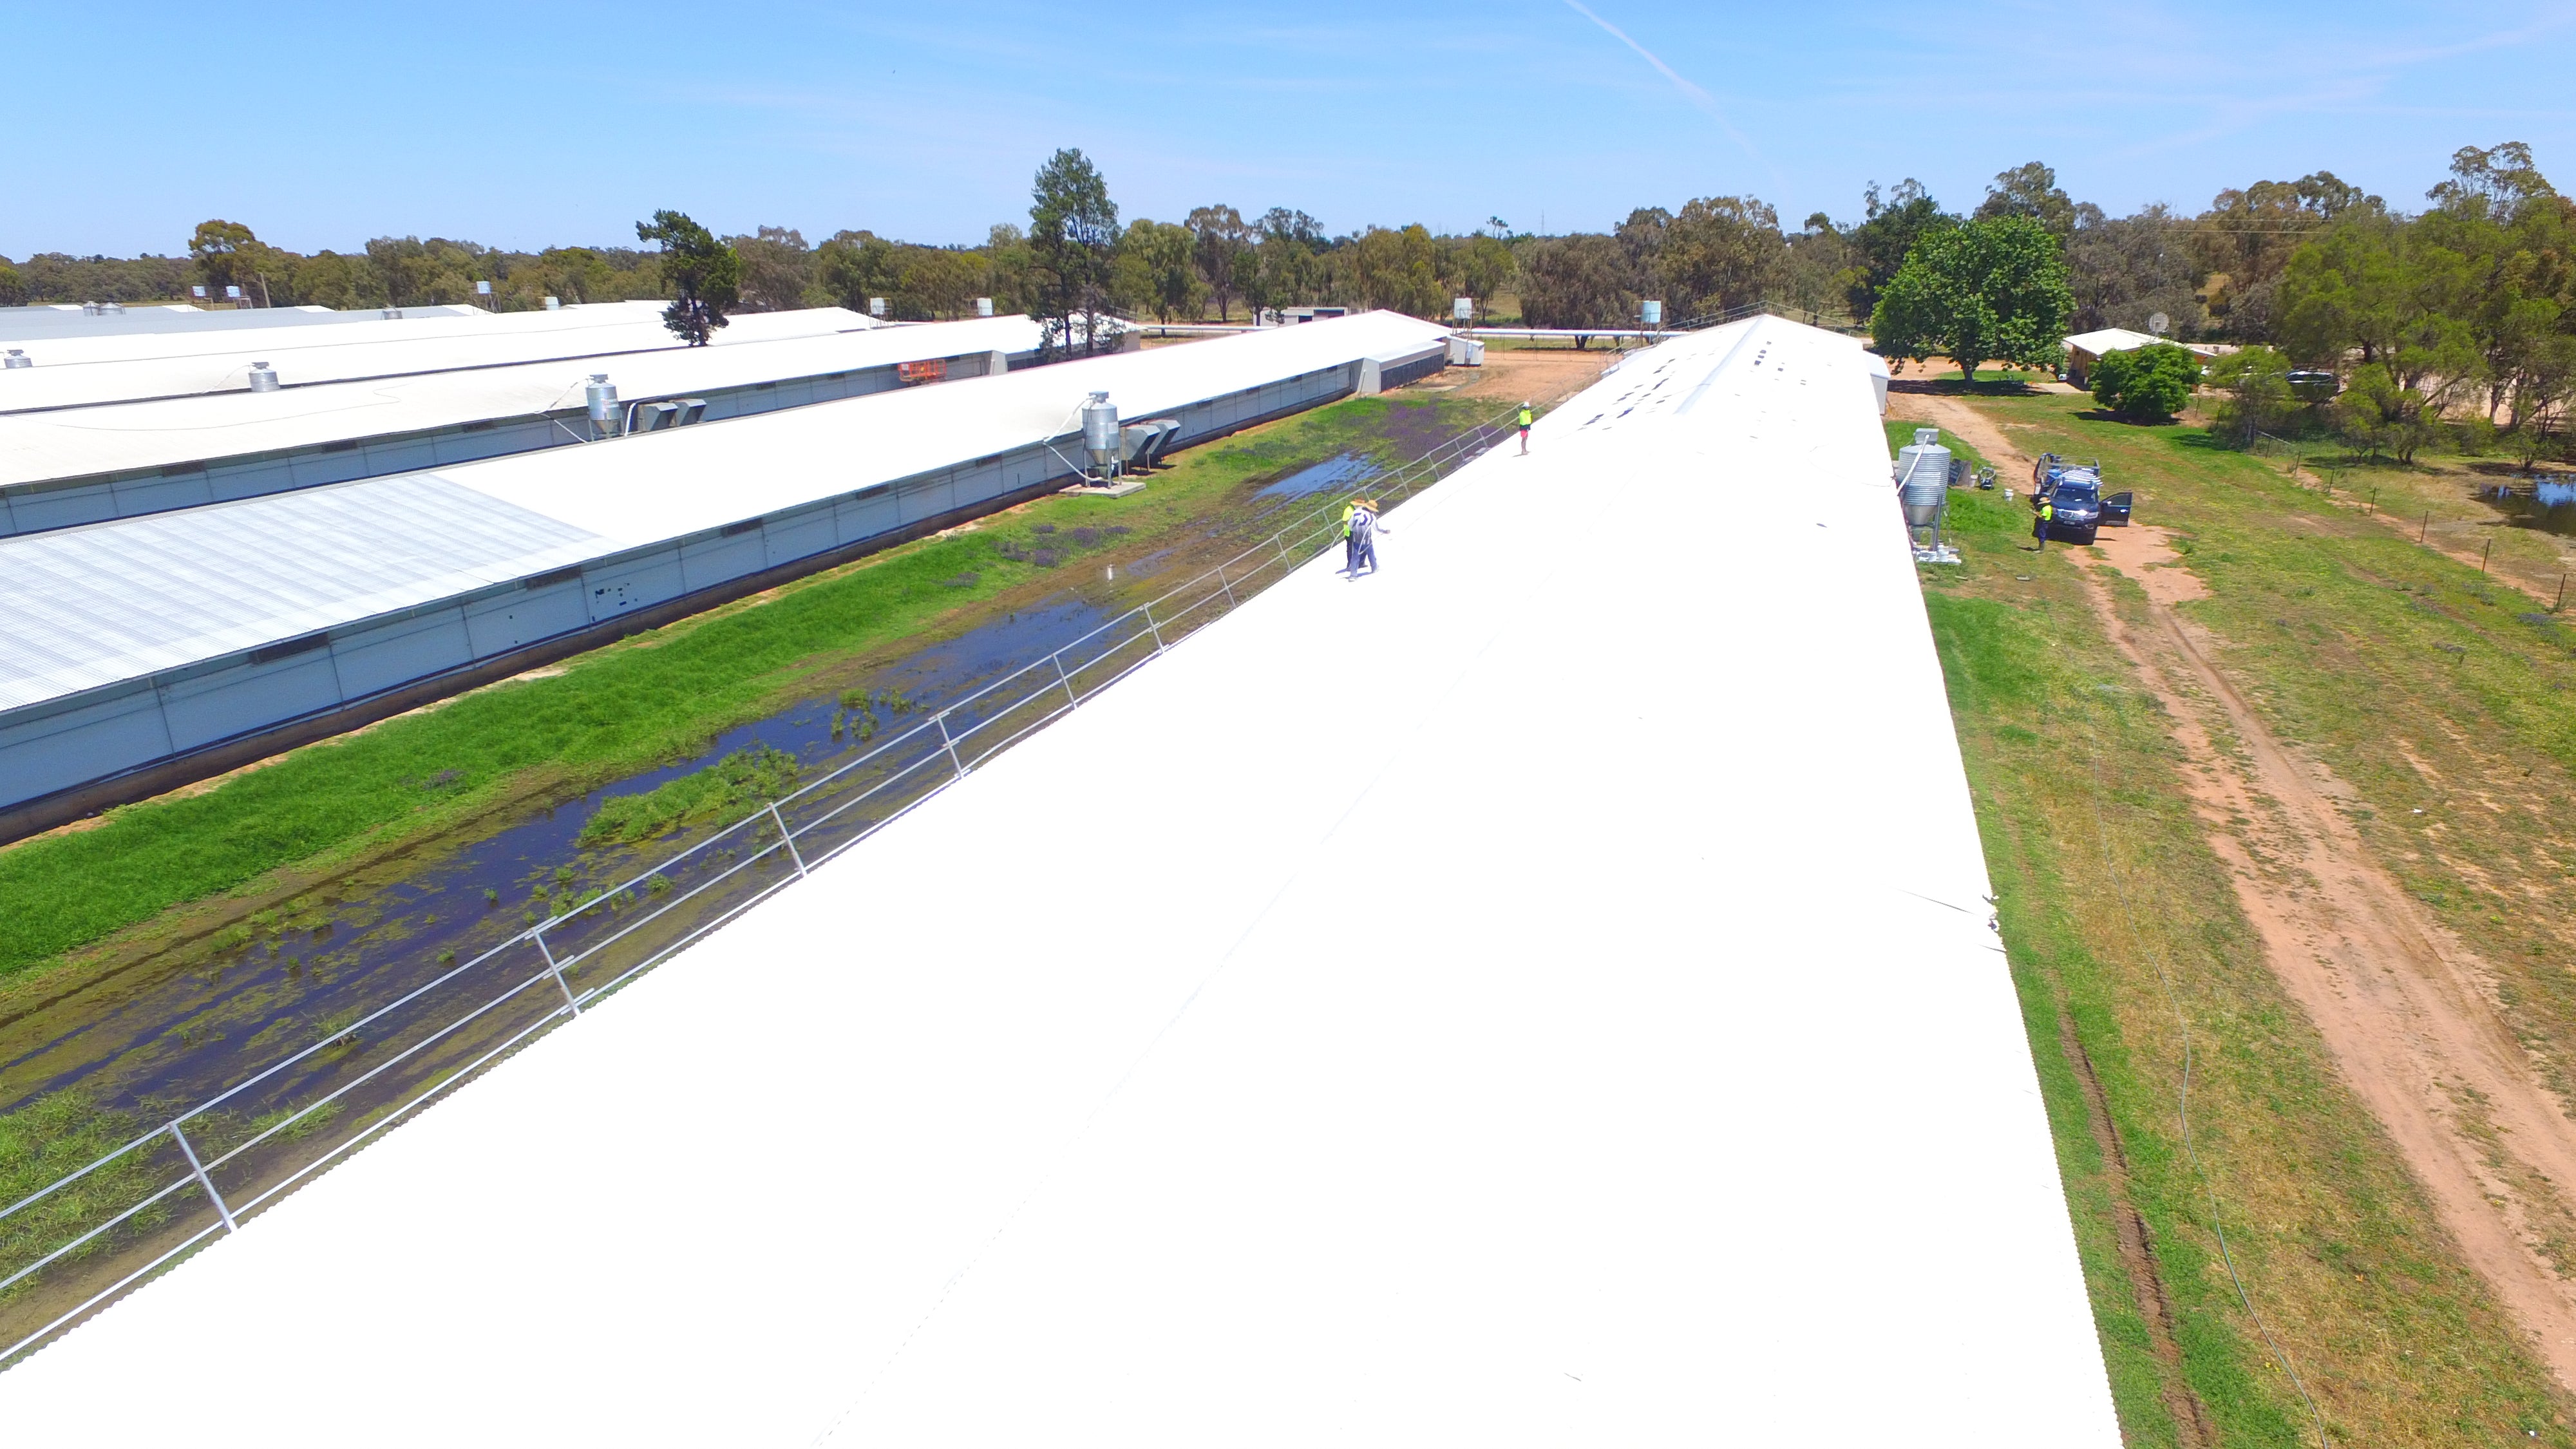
{"x":727,"y":790}
{"x":2423,"y":685}
{"x":2081,"y":801}
{"x":1901,"y":435}
{"x":612,"y":713}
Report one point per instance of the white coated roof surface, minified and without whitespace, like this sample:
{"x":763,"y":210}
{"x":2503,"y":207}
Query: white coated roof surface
{"x":74,"y":615}
{"x":19,"y":324}
{"x":2121,"y":339}
{"x":90,"y":371}
{"x":79,"y":442}
{"x":1370,"y":1061}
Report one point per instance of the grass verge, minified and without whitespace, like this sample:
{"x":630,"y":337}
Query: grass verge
{"x":2103,"y":874}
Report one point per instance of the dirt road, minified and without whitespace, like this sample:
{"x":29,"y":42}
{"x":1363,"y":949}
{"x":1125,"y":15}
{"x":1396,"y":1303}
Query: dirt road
{"x":2409,"y":1013}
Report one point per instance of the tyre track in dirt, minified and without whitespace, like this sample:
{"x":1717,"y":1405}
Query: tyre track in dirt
{"x":2408,"y":1012}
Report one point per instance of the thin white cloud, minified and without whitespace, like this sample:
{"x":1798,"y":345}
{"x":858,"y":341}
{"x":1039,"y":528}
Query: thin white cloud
{"x":1697,"y":96}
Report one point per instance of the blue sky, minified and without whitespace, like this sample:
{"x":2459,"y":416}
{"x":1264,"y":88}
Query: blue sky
{"x":526,"y":126}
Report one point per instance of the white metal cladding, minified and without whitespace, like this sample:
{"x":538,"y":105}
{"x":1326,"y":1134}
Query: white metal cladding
{"x":220,"y":628}
{"x":94,"y":371}
{"x":89,"y":606}
{"x":28,"y":324}
{"x":87,"y":465}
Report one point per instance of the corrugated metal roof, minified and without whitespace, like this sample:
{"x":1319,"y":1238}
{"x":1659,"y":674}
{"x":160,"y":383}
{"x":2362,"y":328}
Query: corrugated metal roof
{"x":91,"y":371}
{"x":21,"y":324}
{"x":89,"y":606}
{"x":85,"y":606}
{"x":84,"y":442}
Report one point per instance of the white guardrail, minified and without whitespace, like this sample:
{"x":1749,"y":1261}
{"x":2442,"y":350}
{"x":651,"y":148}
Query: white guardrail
{"x":72,"y":1246}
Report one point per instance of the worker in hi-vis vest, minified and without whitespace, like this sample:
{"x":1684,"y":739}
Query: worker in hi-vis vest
{"x":1350,"y":540}
{"x":2039,"y":526}
{"x":1527,"y":417}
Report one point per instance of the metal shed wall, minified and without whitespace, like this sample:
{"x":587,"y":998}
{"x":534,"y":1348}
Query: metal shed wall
{"x":63,"y":757}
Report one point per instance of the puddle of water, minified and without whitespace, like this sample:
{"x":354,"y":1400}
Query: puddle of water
{"x":1332,"y":472}
{"x":2547,"y":504}
{"x":186,"y":1036}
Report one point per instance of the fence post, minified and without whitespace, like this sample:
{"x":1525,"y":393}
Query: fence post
{"x":941,"y":719}
{"x":1222,"y":584}
{"x":1156,"y":628}
{"x":539,"y":936}
{"x":1280,"y":542}
{"x":204,"y":1181}
{"x":1064,"y":679}
{"x":788,"y":840}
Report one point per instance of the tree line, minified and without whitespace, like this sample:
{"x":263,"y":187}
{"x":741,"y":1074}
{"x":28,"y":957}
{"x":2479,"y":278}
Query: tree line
{"x":2464,"y":310}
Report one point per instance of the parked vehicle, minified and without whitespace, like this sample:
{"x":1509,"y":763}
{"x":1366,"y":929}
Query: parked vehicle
{"x":2078,"y":507}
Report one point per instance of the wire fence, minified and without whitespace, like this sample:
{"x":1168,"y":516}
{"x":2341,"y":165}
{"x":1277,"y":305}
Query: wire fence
{"x":73,"y":1245}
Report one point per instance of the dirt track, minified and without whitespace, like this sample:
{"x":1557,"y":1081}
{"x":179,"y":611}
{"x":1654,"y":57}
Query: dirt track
{"x":2408,"y":1012}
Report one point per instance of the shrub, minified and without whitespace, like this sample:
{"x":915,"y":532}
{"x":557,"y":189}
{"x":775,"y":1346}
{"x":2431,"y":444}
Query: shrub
{"x":2146,"y":382}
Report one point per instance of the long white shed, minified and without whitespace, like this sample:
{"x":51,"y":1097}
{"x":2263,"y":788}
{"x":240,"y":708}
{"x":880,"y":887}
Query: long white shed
{"x":67,"y":466}
{"x":91,"y":371}
{"x":142,"y":652}
{"x":1370,"y":1058}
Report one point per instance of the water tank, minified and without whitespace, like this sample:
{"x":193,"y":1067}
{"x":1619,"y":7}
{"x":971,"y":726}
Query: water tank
{"x":1100,"y":430}
{"x":554,"y":304}
{"x":1923,"y":478}
{"x":876,"y":306}
{"x":983,"y":306}
{"x":602,"y":396}
{"x":263,"y":378}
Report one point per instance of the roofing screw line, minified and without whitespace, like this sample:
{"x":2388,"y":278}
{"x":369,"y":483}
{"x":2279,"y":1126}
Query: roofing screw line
{"x":204,"y":1181}
{"x":539,"y":936}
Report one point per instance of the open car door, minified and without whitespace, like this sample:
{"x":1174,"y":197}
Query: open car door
{"x":2115,"y":509}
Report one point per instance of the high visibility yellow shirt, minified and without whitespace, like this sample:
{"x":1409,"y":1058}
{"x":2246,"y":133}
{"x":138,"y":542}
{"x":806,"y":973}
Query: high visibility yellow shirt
{"x":1527,"y":417}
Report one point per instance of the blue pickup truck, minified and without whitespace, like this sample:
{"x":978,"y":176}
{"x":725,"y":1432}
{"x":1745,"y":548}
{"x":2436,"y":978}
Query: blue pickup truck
{"x":2077,"y":506}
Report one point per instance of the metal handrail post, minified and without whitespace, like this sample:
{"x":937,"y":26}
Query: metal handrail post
{"x":941,"y":719}
{"x":539,"y":936}
{"x":1064,"y":679}
{"x":1156,"y":628}
{"x":793,"y":853}
{"x":1222,"y":584}
{"x":204,"y":1181}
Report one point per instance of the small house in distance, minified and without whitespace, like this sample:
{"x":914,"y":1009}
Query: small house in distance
{"x":2086,"y":348}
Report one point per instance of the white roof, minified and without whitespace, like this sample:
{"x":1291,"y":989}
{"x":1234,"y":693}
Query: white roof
{"x":1340,"y":1095}
{"x":2121,"y":339}
{"x":75,"y":616}
{"x":88,"y":371}
{"x":79,"y":442}
{"x":69,"y":319}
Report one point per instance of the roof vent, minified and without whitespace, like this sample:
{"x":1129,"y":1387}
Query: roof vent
{"x":17,"y":357}
{"x":263,"y":378}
